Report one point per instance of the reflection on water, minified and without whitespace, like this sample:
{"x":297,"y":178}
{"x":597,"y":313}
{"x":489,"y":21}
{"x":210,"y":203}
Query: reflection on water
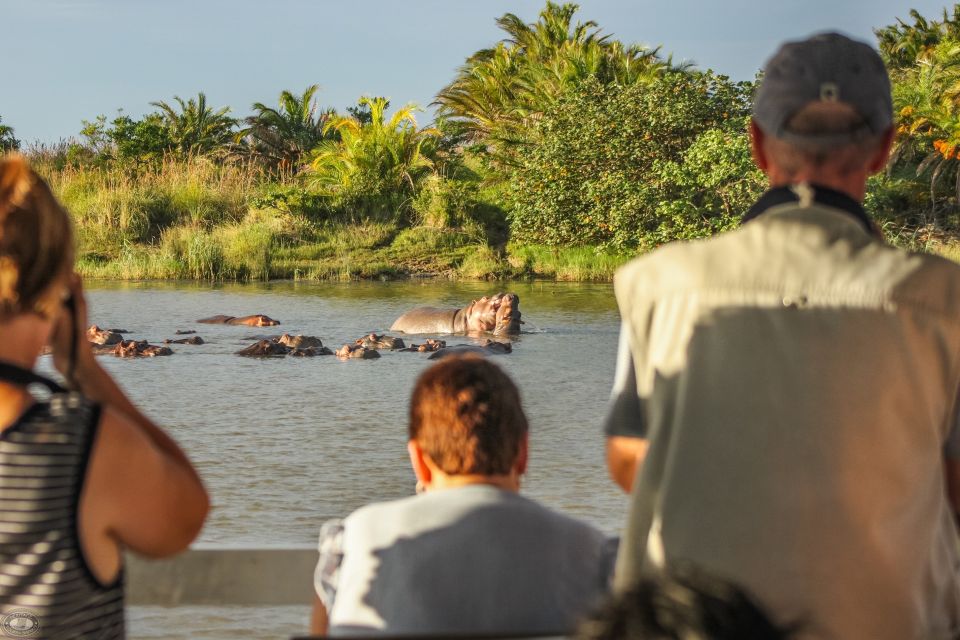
{"x":286,"y":443}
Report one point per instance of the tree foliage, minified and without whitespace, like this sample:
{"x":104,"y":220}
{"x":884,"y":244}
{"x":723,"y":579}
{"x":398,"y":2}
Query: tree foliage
{"x":634,"y":166}
{"x":8,"y":141}
{"x":902,"y":44}
{"x":924,"y":62}
{"x":127,"y":140}
{"x":281,"y":137}
{"x":195,"y":128}
{"x":500,"y":92}
{"x":383,"y":159}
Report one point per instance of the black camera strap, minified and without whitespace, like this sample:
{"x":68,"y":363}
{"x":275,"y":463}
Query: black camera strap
{"x":24,"y":377}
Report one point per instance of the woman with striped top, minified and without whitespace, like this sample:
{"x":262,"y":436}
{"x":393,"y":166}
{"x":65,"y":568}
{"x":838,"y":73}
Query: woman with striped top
{"x":83,"y":473}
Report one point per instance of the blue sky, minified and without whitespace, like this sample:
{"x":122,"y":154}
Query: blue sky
{"x":67,"y":60}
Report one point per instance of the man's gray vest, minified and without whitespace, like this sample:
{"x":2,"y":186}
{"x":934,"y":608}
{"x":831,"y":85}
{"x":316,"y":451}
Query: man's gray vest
{"x":798,"y":383}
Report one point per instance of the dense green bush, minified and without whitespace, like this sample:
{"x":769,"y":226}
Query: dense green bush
{"x":460,"y":203}
{"x":294,"y":199}
{"x":636,"y":166}
{"x":124,"y":139}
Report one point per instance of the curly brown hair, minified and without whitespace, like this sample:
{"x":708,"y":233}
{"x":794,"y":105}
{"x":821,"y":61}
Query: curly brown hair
{"x":465,"y":413}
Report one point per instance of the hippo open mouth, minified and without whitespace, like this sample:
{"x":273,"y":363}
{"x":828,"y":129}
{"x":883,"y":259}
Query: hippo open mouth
{"x":507,"y":306}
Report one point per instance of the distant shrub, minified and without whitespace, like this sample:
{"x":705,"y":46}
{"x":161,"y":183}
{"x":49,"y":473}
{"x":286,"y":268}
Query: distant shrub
{"x":293,"y":199}
{"x":460,"y":204}
{"x":8,"y":141}
{"x":636,"y":166}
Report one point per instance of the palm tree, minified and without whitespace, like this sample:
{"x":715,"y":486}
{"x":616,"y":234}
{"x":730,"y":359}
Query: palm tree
{"x":8,"y":142}
{"x":903,"y":44}
{"x":197,"y":128}
{"x":282,"y":136}
{"x":383,"y":157}
{"x":500,"y":91}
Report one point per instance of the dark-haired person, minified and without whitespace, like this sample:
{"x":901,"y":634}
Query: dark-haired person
{"x":469,"y":554}
{"x":785,"y":411}
{"x":83,"y":474}
{"x":683,"y":604}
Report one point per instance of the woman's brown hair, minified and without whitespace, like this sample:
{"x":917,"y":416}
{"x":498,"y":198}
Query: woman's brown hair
{"x":466,"y":415}
{"x":36,"y":242}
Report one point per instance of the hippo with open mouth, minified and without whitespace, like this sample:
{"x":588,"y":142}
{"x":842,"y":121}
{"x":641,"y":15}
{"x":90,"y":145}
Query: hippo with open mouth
{"x":258,"y":320}
{"x":498,"y":314}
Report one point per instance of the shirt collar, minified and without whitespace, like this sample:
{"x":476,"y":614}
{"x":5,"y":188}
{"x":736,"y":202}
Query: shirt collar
{"x":821,"y":195}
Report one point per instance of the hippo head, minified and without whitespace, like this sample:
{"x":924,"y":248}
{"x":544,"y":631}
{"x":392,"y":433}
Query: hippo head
{"x":261,"y":320}
{"x":508,"y":314}
{"x":498,"y":314}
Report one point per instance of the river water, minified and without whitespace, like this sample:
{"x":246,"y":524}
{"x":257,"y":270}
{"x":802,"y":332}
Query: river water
{"x":285,"y":443}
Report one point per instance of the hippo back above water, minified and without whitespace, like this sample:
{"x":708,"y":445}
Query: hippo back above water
{"x":258,"y":320}
{"x":498,"y":314}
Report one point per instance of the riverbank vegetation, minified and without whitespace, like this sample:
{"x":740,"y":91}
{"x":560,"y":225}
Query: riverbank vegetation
{"x":558,"y":152}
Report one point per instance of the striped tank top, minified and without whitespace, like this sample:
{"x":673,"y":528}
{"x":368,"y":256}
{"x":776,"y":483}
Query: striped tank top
{"x":47,"y":590}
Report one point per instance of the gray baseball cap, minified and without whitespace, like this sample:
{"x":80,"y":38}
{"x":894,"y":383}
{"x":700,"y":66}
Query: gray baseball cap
{"x":829,"y":67}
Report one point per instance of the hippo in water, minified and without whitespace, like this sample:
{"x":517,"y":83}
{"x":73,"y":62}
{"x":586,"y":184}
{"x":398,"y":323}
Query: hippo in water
{"x":429,"y":345}
{"x":299,"y":342}
{"x":96,"y":335}
{"x":286,"y":345}
{"x":258,"y":320}
{"x":498,"y":314}
{"x":190,"y":340}
{"x":264,"y":348}
{"x":488,"y":348}
{"x":140,"y":349}
{"x":377,"y":341}
{"x":355,"y":351}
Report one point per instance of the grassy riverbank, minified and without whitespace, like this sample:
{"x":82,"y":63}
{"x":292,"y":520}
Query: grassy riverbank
{"x":201,"y":220}
{"x":206,"y":221}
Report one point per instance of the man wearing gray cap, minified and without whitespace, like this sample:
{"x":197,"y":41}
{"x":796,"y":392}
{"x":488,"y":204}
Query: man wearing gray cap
{"x":785,"y":406}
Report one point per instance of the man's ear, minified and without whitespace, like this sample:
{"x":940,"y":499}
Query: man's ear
{"x":520,"y":467}
{"x":418,"y":461}
{"x":757,"y":136}
{"x":879,"y":160}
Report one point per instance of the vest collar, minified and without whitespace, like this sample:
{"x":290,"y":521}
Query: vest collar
{"x":807,"y":194}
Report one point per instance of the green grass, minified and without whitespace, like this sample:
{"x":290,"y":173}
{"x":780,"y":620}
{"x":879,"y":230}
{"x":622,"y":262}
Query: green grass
{"x":564,"y":263}
{"x":198,"y":220}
